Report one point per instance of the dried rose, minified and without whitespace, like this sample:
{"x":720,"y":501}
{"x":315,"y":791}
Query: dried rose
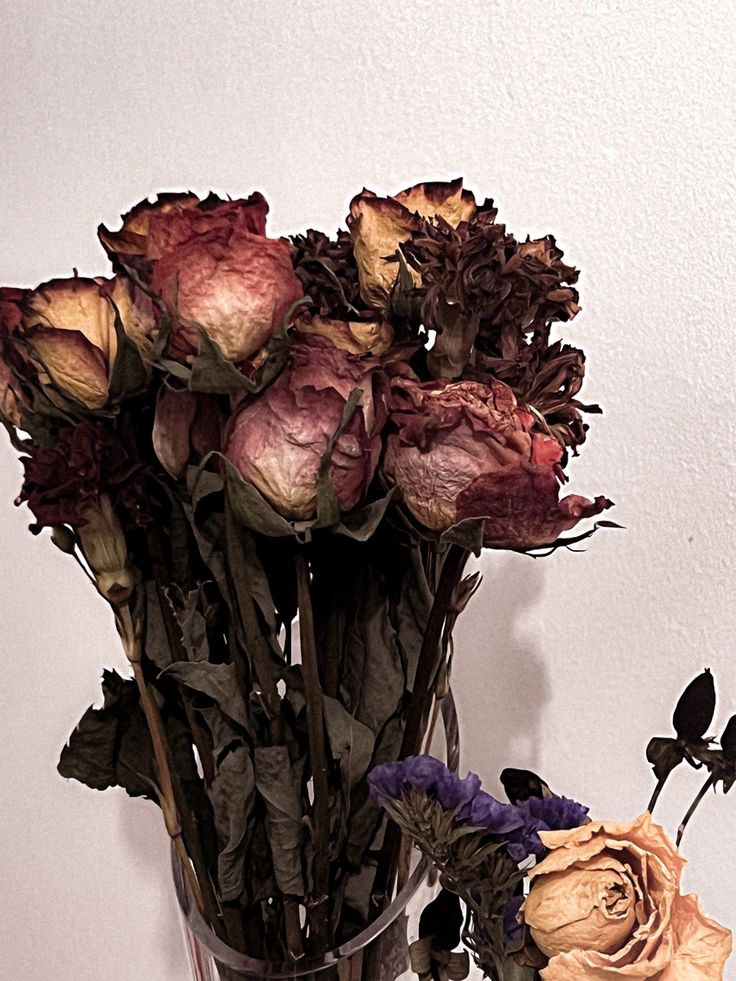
{"x":605,"y":903}
{"x":356,"y":336}
{"x":129,"y":245}
{"x":70,"y":327}
{"x":213,"y":267}
{"x":465,"y":450}
{"x":277,"y":440}
{"x":234,"y":285}
{"x":152,"y":229}
{"x":187,"y":426}
{"x":378,"y":227}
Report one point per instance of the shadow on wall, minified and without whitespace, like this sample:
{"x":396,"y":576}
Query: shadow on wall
{"x":499,"y":677}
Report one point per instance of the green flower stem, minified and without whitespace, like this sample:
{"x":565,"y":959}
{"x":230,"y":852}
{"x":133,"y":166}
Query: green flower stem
{"x":318,"y":911}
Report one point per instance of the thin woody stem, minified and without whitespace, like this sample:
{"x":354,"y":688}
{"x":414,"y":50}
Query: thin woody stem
{"x":710,"y":782}
{"x":130,"y":637}
{"x":316,"y":733}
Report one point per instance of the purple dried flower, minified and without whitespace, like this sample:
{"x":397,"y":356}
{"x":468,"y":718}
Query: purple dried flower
{"x":385,"y":782}
{"x":555,"y":813}
{"x":425,"y":774}
{"x":490,"y":814}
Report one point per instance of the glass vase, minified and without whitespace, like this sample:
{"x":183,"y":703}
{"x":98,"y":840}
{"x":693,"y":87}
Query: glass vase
{"x":377,"y":953}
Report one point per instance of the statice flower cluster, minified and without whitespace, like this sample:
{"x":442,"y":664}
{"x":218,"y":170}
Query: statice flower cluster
{"x":517,"y":826}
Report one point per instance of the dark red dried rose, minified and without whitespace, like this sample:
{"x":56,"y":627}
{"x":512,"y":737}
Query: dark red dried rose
{"x":87,"y":460}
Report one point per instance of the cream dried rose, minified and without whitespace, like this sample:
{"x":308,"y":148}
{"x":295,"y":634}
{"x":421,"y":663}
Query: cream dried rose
{"x":378,"y":226}
{"x":69,"y":325}
{"x":605,"y":904}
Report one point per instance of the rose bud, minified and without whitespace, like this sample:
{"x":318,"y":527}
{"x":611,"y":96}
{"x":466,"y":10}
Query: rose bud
{"x":70,"y":327}
{"x":277,"y":439}
{"x":186,"y":426}
{"x":605,"y":903}
{"x":695,"y":708}
{"x":378,"y":226}
{"x":236,"y":286}
{"x":103,"y":544}
{"x":356,"y":336}
{"x":466,"y":450}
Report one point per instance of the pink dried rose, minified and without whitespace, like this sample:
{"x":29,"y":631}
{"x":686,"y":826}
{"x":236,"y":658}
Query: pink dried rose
{"x":186,"y":427}
{"x":152,"y":228}
{"x":213,"y":267}
{"x":69,"y":325}
{"x":605,"y":904}
{"x":378,"y":227}
{"x":466,"y":450}
{"x":236,"y":287}
{"x":277,"y":439}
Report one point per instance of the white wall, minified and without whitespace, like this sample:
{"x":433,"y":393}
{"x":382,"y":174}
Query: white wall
{"x":609,"y":124}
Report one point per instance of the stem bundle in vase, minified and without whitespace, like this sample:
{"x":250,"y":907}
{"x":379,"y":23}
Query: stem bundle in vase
{"x":274,"y":459}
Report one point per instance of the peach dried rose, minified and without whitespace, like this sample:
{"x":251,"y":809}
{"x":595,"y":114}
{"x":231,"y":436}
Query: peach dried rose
{"x":605,"y":904}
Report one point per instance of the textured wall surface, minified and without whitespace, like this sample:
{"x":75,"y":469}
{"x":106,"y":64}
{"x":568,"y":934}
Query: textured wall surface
{"x":609,"y":124}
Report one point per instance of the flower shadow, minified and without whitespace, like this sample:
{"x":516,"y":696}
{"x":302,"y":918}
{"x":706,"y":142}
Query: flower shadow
{"x":499,"y":676}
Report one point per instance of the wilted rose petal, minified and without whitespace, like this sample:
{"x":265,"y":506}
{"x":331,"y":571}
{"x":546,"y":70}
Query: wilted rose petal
{"x":169,"y":229}
{"x":701,"y":946}
{"x":10,"y":407}
{"x":135,"y":310}
{"x":278,"y":438}
{"x":466,"y":450}
{"x":130,"y":243}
